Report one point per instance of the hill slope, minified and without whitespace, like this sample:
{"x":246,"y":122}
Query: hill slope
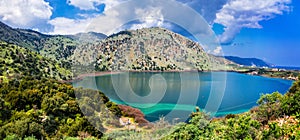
{"x":16,"y":61}
{"x":57,"y":47}
{"x":154,"y":49}
{"x":25,"y":38}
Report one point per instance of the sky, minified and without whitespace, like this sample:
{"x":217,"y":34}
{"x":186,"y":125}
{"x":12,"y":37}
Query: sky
{"x":265,"y":29}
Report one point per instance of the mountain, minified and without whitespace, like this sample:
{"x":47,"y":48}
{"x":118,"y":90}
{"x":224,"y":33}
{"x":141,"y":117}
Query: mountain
{"x":154,"y":49}
{"x":248,"y":61}
{"x":89,"y":37}
{"x":143,"y":49}
{"x":25,"y":38}
{"x":16,"y":62}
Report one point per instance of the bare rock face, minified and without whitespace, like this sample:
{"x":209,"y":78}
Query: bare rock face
{"x":153,"y":49}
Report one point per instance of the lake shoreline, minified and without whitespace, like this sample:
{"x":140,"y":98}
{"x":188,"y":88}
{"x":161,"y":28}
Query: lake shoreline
{"x":103,"y":73}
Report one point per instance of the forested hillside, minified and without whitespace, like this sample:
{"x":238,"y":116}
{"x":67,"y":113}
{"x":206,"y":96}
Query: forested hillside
{"x":16,"y":62}
{"x":56,"y":47}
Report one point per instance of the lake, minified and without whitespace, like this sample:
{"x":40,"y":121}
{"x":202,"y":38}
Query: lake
{"x":176,"y":94}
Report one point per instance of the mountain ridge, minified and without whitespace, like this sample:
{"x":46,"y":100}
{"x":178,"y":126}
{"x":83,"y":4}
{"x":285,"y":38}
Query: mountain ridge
{"x":249,"y":61}
{"x":148,"y":48}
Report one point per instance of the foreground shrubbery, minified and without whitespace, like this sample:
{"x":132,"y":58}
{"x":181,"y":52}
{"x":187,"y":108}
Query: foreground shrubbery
{"x":46,"y":109}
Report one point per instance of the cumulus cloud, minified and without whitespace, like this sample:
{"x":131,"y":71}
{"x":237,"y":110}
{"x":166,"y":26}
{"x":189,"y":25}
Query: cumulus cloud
{"x":151,"y":17}
{"x":91,"y":4}
{"x":218,"y":51}
{"x":238,"y":14}
{"x":65,"y":26}
{"x":114,"y":18}
{"x":25,"y":14}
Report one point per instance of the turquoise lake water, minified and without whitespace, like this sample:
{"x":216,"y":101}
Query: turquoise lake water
{"x":176,"y":94}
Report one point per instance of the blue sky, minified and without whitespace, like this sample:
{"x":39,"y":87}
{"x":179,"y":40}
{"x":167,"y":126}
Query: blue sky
{"x":266,"y":29}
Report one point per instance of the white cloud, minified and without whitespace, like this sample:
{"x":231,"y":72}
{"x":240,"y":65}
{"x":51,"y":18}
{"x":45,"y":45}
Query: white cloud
{"x":151,"y":17}
{"x":113,"y":20}
{"x":217,"y":51}
{"x":91,"y":4}
{"x":25,"y":13}
{"x":83,"y":4}
{"x":238,"y":14}
{"x":65,"y":26}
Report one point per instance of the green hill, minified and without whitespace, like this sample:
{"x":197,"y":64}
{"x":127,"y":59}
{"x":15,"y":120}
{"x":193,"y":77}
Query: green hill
{"x":16,"y":62}
{"x":56,"y":47}
{"x":26,"y":38}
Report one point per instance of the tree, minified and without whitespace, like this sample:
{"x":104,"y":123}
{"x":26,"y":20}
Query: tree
{"x":291,"y":103}
{"x":269,"y":107}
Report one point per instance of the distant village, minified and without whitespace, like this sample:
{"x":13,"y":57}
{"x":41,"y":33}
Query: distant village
{"x":272,"y":72}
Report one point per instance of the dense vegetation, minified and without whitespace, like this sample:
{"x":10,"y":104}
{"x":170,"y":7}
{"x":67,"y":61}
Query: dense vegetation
{"x":16,"y":62}
{"x":46,"y":109}
{"x":56,"y":47}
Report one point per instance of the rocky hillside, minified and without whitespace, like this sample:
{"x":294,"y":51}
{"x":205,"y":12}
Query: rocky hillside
{"x":154,"y":49}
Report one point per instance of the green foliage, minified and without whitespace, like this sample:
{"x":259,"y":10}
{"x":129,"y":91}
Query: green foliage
{"x":45,"y":109}
{"x":195,"y":129}
{"x":242,"y":127}
{"x":269,"y":107}
{"x":16,"y":62}
{"x":291,"y":102}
